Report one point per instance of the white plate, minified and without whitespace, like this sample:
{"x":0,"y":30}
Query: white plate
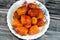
{"x":10,"y":18}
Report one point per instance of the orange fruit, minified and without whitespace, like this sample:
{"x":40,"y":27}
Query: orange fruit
{"x":34,"y":30}
{"x":21,"y":30}
{"x":25,"y":19}
{"x":16,"y":23}
{"x":40,"y":23}
{"x":22,"y":10}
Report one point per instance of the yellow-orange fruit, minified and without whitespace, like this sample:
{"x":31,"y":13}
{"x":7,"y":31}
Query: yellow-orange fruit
{"x":34,"y":30}
{"x":22,"y":10}
{"x":25,"y":19}
{"x":16,"y":23}
{"x":34,"y":20}
{"x":21,"y":30}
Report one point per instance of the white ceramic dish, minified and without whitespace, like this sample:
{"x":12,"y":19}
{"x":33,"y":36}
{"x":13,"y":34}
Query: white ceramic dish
{"x":10,"y":18}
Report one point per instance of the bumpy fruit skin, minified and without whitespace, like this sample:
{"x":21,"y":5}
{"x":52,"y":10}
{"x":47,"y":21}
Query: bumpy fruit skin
{"x":22,"y":10}
{"x":34,"y":20}
{"x":21,"y":30}
{"x":34,"y":12}
{"x":41,"y":14}
{"x":32,"y":5}
{"x":34,"y":30}
{"x":16,"y":23}
{"x":28,"y":20}
{"x":40,"y":23}
{"x":25,"y":19}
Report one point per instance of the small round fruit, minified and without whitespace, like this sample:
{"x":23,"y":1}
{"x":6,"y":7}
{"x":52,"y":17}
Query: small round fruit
{"x":40,"y":23}
{"x":34,"y":20}
{"x":22,"y":10}
{"x":41,"y":15}
{"x":21,"y":30}
{"x":28,"y":20}
{"x":16,"y":23}
{"x":34,"y":30}
{"x":25,"y":19}
{"x":34,"y":12}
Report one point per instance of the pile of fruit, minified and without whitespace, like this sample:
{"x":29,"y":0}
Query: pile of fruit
{"x":27,"y":19}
